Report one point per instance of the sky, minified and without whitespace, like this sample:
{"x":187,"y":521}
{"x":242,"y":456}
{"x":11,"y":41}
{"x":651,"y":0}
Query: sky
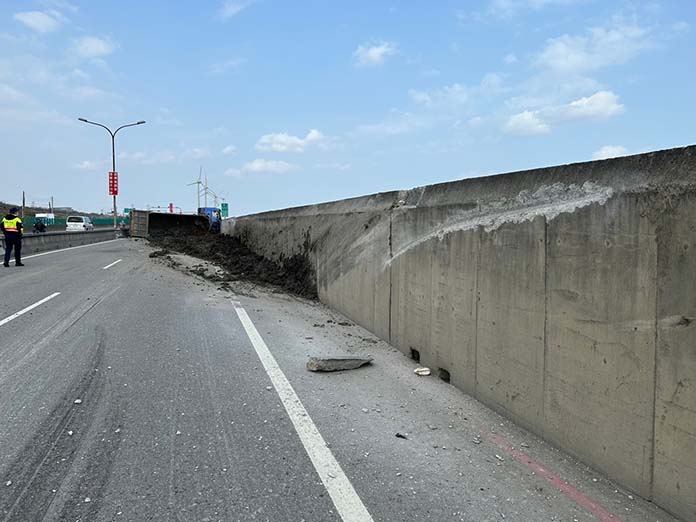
{"x":286,"y":103}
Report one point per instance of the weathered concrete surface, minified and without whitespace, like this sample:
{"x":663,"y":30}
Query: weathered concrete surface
{"x":599,"y":379}
{"x":675,"y":394}
{"x":562,"y":297}
{"x":510,"y":326}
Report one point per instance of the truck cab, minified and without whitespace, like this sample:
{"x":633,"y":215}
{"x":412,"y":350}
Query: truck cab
{"x":215,"y":217}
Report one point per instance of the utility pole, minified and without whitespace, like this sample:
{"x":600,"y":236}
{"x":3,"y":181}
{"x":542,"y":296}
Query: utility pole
{"x":113,"y":151}
{"x":23,"y":204}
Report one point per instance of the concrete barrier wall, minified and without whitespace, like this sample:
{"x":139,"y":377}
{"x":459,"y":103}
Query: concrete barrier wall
{"x":35,"y":243}
{"x":564,"y":298}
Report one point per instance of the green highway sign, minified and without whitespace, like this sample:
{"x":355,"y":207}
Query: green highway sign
{"x":225,"y":209}
{"x":126,"y":211}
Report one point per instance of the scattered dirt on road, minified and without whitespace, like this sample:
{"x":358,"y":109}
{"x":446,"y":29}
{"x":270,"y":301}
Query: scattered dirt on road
{"x":292,"y":274}
{"x":159,"y":253}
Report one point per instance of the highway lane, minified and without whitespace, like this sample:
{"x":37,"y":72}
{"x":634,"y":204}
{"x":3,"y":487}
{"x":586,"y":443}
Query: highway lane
{"x":179,"y":420}
{"x":173,"y":424}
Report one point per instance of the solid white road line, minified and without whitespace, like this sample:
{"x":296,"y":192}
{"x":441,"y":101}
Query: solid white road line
{"x":28,"y":309}
{"x":69,"y":248}
{"x":112,"y":264}
{"x":341,"y":491}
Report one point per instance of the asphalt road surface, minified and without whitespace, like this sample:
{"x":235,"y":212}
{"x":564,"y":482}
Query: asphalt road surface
{"x":131,"y":390}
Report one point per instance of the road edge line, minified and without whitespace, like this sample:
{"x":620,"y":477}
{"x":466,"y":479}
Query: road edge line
{"x":347,"y":501}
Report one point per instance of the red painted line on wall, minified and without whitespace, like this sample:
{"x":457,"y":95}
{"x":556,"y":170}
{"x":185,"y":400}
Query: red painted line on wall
{"x":600,"y":512}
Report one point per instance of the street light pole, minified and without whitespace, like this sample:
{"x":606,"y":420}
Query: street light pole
{"x":113,"y":151}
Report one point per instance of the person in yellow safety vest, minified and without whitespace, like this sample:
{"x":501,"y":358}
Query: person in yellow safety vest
{"x":11,"y":226}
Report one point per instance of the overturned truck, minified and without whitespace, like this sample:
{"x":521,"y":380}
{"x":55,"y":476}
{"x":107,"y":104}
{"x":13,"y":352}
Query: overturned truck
{"x":144,"y":223}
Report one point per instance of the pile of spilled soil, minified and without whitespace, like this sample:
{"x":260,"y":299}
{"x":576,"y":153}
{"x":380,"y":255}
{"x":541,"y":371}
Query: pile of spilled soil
{"x":293,"y":274}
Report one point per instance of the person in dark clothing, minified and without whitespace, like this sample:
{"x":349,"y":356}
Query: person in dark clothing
{"x":39,"y":227}
{"x":11,"y":226}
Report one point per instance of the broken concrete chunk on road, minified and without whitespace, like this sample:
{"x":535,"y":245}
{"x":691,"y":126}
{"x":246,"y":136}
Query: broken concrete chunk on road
{"x":338,"y":363}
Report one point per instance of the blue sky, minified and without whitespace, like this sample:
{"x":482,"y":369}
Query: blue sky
{"x":289,"y":103}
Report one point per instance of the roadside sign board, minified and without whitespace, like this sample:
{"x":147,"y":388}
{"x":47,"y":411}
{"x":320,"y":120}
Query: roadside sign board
{"x":113,"y":183}
{"x":225,"y":209}
{"x":126,"y":211}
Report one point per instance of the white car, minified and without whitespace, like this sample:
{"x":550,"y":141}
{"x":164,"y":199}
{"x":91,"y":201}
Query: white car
{"x":78,"y":224}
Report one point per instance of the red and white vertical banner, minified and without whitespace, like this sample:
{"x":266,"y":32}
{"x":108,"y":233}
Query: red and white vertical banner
{"x":113,"y":183}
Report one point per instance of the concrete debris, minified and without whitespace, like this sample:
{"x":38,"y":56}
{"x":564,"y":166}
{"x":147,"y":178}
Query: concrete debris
{"x":70,"y":433}
{"x":8,"y":483}
{"x":422,"y":371}
{"x":88,"y":500}
{"x":501,"y":459}
{"x":77,"y":401}
{"x":333,"y":364}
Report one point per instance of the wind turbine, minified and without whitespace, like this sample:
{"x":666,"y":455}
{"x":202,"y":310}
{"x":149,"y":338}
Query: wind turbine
{"x":198,"y":189}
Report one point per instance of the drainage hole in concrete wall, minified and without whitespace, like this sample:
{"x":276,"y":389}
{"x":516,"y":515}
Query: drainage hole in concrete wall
{"x":415,"y":355}
{"x":443,"y":374}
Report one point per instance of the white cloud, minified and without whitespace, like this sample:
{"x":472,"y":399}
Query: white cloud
{"x":196,"y":153}
{"x":430,"y":73}
{"x":371,"y":55}
{"x":609,"y":151}
{"x":230,"y":150}
{"x":491,"y":83}
{"x":38,"y":21}
{"x":474,"y":122}
{"x":93,"y":47}
{"x":60,"y":4}
{"x":334,"y":166}
{"x":145,"y":158}
{"x":510,"y":59}
{"x":507,"y":8}
{"x":282,"y":142}
{"x":223,"y":67}
{"x":10,"y":95}
{"x":19,"y":108}
{"x":260,"y":166}
{"x":398,"y":123}
{"x":526,"y":123}
{"x":92,"y":165}
{"x":449,"y":96}
{"x":600,"y":47}
{"x":602,"y":104}
{"x":232,"y":8}
{"x":166,"y":117}
{"x":86,"y":92}
{"x":420,"y":97}
{"x":681,"y":27}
